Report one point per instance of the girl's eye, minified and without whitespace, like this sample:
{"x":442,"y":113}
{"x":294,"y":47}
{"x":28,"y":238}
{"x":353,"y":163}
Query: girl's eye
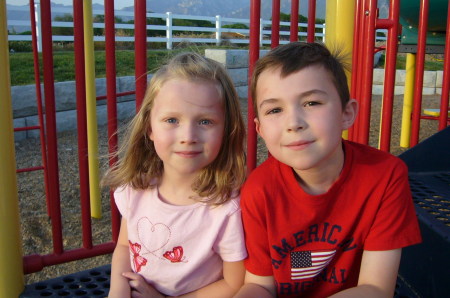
{"x":273,"y":111}
{"x":205,"y":122}
{"x":171,"y":120}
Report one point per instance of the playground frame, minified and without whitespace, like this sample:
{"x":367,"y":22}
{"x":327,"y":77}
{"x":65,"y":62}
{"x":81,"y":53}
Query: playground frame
{"x":351,"y":23}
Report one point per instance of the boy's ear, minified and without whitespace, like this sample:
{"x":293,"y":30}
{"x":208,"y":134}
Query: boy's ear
{"x":349,"y":114}
{"x":257,"y":126}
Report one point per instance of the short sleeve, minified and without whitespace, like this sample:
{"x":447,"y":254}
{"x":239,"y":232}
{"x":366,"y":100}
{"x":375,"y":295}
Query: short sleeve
{"x":122,"y":197}
{"x":230,"y":244}
{"x":396,"y":223}
{"x":256,"y":235}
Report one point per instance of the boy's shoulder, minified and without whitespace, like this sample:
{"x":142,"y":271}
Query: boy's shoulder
{"x":366,"y":156}
{"x":267,"y":172}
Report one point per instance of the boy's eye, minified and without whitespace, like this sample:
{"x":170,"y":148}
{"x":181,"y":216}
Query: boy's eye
{"x":311,"y":103}
{"x":205,"y":122}
{"x":273,"y":111}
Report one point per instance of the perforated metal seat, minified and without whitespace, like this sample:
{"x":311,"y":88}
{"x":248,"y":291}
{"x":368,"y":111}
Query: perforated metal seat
{"x":88,"y":283}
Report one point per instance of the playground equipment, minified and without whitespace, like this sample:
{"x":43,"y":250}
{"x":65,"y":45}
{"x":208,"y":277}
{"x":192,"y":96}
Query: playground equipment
{"x":421,"y":35}
{"x":426,"y":265}
{"x":95,"y":282}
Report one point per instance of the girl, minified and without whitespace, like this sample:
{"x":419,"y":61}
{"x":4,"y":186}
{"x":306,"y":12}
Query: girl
{"x":177,"y":187}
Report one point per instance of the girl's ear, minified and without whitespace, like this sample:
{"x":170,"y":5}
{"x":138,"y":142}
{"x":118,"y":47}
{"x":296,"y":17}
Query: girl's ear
{"x":150,"y":133}
{"x":349,"y":113}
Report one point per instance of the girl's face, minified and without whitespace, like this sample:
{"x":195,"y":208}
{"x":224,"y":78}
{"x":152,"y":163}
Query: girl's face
{"x":187,"y":125}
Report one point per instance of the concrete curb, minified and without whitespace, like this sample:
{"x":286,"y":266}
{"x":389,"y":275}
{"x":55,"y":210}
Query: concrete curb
{"x":236,"y":61}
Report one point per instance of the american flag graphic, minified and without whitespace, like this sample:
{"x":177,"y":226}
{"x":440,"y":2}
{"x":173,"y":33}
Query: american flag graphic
{"x":308,"y":264}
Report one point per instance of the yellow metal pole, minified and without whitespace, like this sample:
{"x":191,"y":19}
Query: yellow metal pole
{"x":91,"y":111}
{"x":11,"y":267}
{"x":339,"y":20}
{"x":408,"y":98}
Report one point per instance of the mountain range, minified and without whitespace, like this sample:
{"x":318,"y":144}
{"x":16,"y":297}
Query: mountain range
{"x":232,"y":8}
{"x":228,"y":8}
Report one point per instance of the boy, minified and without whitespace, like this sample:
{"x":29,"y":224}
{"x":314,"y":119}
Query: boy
{"x":322,"y":216}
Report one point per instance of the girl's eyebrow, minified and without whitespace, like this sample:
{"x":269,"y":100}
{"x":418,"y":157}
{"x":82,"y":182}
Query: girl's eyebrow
{"x":300,"y":96}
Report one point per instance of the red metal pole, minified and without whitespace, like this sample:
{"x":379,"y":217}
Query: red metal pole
{"x":140,"y":60}
{"x":255,"y":15}
{"x":420,"y":63}
{"x":389,"y":78}
{"x":356,"y":67}
{"x":37,"y":80}
{"x":35,"y":263}
{"x":311,"y":21}
{"x":111,"y":104}
{"x":80,"y":84}
{"x":370,"y":9}
{"x":294,"y":20}
{"x":445,"y":77}
{"x":50,"y":116}
{"x":275,"y":36}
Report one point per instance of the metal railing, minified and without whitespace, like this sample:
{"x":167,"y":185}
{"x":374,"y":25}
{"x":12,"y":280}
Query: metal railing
{"x":218,"y":33}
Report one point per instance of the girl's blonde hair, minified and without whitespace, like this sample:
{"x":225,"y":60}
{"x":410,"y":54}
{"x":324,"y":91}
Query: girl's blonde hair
{"x":141,"y":168}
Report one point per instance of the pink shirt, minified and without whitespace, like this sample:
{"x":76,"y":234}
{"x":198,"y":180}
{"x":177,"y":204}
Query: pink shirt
{"x":179,"y":249}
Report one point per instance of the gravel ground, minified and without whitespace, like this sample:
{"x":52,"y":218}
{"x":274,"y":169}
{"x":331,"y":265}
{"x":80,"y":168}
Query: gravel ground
{"x":35,"y":224}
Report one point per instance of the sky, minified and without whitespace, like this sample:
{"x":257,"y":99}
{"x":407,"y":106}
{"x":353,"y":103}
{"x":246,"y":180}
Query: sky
{"x":118,"y":4}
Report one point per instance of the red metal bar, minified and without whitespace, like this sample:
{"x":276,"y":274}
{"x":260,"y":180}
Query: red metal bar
{"x":386,"y":23}
{"x":294,"y":20}
{"x":420,"y":64}
{"x":426,"y":117}
{"x":275,"y":36}
{"x":370,"y":14}
{"x":80,"y":81}
{"x":37,"y":81}
{"x":30,"y":169}
{"x":50,"y":116}
{"x":140,"y":36}
{"x":111,"y":104}
{"x":356,"y":67}
{"x":443,"y":117}
{"x":35,"y":263}
{"x":389,"y":78}
{"x":27,"y":128}
{"x":311,"y":21}
{"x":255,"y":15}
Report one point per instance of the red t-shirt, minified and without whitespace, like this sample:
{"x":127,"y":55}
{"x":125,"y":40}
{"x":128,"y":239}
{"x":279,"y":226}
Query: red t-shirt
{"x":313,"y":245}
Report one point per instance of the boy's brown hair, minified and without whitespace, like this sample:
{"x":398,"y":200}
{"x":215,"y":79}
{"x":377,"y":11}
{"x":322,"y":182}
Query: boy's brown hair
{"x":295,"y":56}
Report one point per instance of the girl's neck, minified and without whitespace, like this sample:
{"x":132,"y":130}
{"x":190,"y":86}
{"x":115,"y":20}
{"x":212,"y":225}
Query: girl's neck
{"x":176,"y":190}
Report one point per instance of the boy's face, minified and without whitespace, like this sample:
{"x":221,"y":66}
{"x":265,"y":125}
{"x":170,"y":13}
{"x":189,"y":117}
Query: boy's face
{"x":300,"y":118}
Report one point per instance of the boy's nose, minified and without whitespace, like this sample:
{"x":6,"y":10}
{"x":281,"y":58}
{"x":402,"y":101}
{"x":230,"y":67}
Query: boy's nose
{"x":295,"y":122}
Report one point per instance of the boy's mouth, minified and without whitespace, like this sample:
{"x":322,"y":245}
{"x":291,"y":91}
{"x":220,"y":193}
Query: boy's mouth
{"x":298,"y":145}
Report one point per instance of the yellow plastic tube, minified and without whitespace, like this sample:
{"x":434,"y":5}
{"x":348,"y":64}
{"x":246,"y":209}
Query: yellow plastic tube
{"x":91,"y":111}
{"x":408,"y":98}
{"x":11,"y":268}
{"x":339,"y":20}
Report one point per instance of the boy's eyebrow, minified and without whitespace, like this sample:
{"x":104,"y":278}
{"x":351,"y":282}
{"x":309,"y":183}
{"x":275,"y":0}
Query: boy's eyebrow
{"x":301,"y":95}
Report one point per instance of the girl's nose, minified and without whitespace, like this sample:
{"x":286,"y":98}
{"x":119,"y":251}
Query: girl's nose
{"x":189,"y":134}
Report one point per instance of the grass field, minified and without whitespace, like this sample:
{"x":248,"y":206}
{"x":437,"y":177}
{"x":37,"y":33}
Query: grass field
{"x":22,"y":71}
{"x":22,"y":65}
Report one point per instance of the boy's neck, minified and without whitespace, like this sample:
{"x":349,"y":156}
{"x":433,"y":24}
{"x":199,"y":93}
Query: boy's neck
{"x":319,"y":180}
